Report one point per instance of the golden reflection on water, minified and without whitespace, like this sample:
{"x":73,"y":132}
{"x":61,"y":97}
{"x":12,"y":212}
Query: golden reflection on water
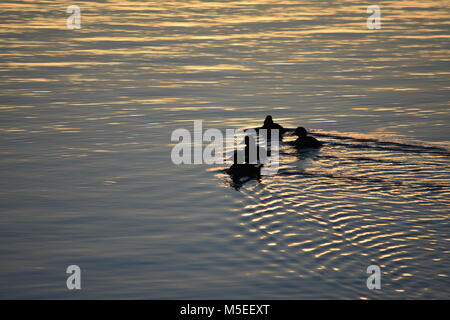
{"x":353,"y":208}
{"x":146,"y":65}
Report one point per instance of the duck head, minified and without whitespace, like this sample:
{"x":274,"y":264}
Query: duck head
{"x":301,"y":132}
{"x":268,"y":121}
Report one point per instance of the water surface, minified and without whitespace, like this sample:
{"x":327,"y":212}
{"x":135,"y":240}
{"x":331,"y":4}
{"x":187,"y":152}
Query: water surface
{"x":86,"y":177}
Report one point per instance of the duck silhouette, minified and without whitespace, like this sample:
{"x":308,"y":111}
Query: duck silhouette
{"x":269,"y":124}
{"x":304,"y":141}
{"x":247,"y":164}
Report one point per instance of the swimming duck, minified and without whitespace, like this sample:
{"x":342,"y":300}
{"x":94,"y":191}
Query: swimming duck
{"x":246,"y":169}
{"x":240,"y":170}
{"x":269,"y":124}
{"x":305,"y":141}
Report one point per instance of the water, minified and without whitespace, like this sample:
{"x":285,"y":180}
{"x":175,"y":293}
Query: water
{"x":86,"y":175}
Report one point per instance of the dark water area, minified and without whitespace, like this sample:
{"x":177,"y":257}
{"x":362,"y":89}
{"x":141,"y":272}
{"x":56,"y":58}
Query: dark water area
{"x":86,"y":118}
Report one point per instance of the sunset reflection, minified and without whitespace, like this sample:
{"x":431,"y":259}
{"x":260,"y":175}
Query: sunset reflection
{"x":86,"y":123}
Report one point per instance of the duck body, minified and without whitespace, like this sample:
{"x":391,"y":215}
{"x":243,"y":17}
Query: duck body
{"x":307,"y":142}
{"x":270,"y":125}
{"x":250,"y":166}
{"x":240,"y":170}
{"x":273,"y":126}
{"x":304,"y":141}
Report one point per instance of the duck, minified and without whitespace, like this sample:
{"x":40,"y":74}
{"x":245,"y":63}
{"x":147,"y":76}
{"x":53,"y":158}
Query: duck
{"x":247,"y":168}
{"x":269,"y":124}
{"x":241,"y":170}
{"x":304,"y":141}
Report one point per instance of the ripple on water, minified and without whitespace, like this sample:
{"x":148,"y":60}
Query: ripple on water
{"x":357,"y":201}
